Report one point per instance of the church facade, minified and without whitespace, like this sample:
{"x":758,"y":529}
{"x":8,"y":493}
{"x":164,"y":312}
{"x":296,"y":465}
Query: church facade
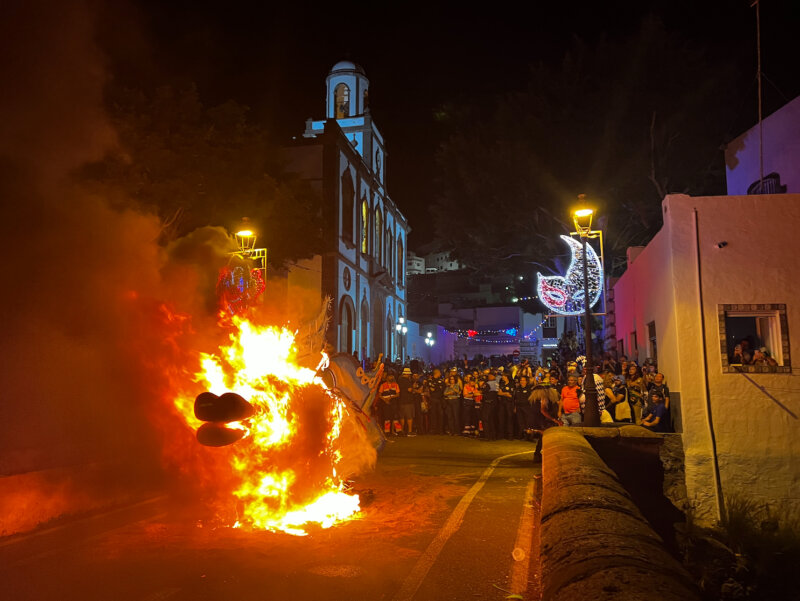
{"x":363,"y":266}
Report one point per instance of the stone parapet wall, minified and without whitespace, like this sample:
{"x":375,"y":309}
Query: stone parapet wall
{"x":595,"y":543}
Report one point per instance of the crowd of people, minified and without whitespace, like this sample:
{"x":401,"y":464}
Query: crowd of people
{"x":516,"y":399}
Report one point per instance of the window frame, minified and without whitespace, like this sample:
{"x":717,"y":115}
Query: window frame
{"x":771,"y":310}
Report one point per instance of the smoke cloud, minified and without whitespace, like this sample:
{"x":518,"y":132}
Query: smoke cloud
{"x":83,"y":347}
{"x":94,"y":339}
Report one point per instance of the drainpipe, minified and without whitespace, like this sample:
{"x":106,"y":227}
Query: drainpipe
{"x":709,"y":418}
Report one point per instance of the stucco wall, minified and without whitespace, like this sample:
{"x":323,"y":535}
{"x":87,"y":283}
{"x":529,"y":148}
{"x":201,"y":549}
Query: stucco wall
{"x":757,"y":440}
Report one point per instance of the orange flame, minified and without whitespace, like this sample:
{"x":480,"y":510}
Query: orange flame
{"x":285,"y":466}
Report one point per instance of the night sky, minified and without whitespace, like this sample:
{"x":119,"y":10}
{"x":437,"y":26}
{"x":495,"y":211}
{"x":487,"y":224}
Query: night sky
{"x":274,"y":58}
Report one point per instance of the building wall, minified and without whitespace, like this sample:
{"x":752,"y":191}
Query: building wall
{"x":756,"y":430}
{"x":781,"y":151}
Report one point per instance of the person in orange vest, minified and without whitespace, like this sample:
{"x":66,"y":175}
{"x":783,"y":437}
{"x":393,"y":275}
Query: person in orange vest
{"x":389,"y":392}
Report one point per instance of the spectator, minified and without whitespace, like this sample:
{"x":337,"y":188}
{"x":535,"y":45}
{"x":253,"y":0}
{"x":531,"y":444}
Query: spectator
{"x":655,"y":419}
{"x":388,"y":392}
{"x":619,"y":407}
{"x":761,"y":356}
{"x":434,"y":396}
{"x":468,"y":406}
{"x":489,"y":407}
{"x":522,"y":406}
{"x":636,"y":391}
{"x":452,"y":400}
{"x":505,"y":406}
{"x":569,"y":407}
{"x":406,"y":412}
{"x":416,"y":392}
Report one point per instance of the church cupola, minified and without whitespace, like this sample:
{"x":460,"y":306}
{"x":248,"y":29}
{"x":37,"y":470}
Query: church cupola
{"x":348,"y":91}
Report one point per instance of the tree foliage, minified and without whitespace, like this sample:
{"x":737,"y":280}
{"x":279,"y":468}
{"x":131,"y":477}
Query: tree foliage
{"x":197,"y":166}
{"x":625,"y":123}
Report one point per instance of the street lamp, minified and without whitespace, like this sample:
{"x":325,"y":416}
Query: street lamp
{"x":429,"y":341}
{"x":583,"y":226}
{"x":246,"y":241}
{"x":402,"y":329}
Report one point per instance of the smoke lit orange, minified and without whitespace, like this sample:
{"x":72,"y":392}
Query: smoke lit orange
{"x":285,"y":466}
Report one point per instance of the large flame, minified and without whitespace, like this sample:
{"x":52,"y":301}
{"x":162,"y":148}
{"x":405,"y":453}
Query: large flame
{"x":285,"y":466}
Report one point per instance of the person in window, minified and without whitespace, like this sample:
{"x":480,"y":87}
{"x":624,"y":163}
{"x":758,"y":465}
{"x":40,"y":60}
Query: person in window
{"x":761,"y":357}
{"x":655,"y":419}
{"x":741,"y":353}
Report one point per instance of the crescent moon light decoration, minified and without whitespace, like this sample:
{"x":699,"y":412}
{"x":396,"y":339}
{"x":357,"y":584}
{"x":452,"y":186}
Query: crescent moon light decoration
{"x":564,"y":294}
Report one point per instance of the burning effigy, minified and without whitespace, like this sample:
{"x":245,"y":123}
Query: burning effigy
{"x":278,"y":425}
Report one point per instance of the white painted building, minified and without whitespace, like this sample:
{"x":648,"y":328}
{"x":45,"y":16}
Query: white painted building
{"x":414,"y":265}
{"x":723,"y":269}
{"x":440,"y":261}
{"x":780,"y":151}
{"x":363,"y":266}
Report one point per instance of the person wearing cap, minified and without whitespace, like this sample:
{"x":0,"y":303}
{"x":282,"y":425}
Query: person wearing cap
{"x":655,"y":418}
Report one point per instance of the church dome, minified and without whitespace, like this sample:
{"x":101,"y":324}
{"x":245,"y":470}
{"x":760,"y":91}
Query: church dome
{"x":347,"y":66}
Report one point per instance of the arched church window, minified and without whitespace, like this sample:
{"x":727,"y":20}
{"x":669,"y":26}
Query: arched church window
{"x":348,"y":205}
{"x":400,"y":261}
{"x":364,"y":327}
{"x":378,"y":235}
{"x":364,"y":226}
{"x":390,"y":258}
{"x":342,"y":101}
{"x":346,"y":326}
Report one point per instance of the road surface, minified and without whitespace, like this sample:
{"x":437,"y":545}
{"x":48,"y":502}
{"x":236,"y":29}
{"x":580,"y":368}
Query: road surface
{"x":444,"y":518}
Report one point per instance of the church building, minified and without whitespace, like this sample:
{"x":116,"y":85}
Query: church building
{"x":363,"y":265}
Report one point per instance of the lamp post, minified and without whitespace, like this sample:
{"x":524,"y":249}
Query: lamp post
{"x":591,"y":413}
{"x":402,"y":329}
{"x":246,"y":240}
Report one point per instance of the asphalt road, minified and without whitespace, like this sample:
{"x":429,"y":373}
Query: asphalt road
{"x":443,"y":518}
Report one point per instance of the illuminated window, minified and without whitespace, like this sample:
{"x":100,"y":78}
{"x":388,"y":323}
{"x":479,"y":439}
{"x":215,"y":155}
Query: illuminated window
{"x":401,"y":260}
{"x":747,"y":328}
{"x":364,"y":226}
{"x":342,"y":101}
{"x":348,"y":206}
{"x":378,"y":236}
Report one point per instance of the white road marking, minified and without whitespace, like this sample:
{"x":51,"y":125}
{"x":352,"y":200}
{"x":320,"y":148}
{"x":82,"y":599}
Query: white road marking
{"x":425,"y":562}
{"x":522,"y":545}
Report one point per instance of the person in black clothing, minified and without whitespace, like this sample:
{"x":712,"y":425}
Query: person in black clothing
{"x":489,"y":407}
{"x":406,"y":408}
{"x":505,"y":406}
{"x":522,"y":406}
{"x":434,"y":392}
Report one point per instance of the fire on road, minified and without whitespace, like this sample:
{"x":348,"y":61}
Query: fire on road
{"x":442,"y":518}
